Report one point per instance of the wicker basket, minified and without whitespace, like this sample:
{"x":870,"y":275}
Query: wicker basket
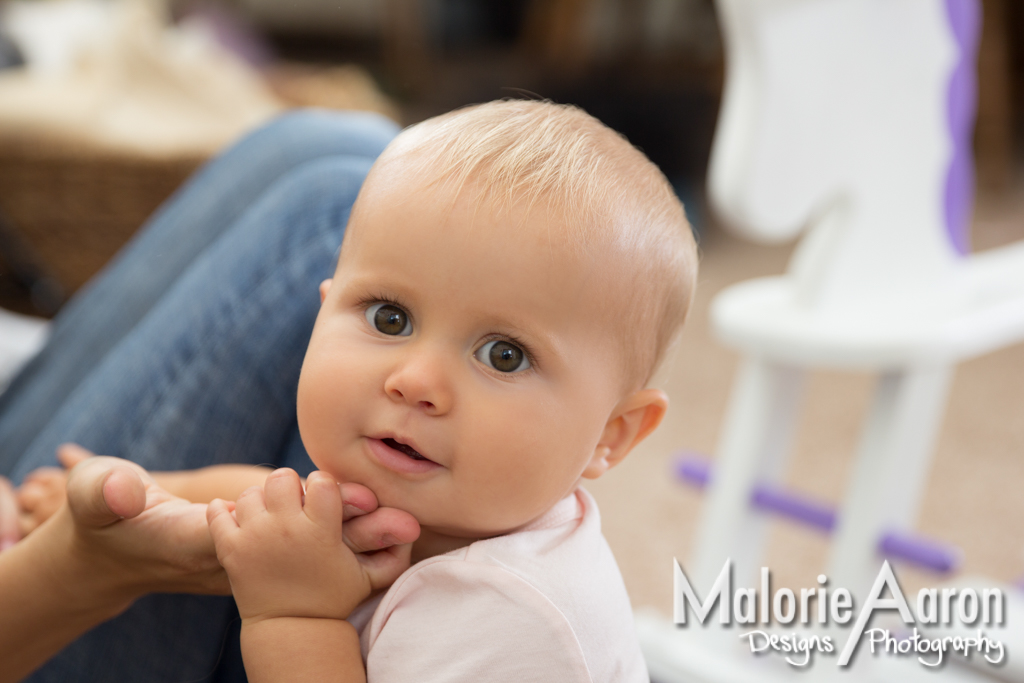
{"x":74,"y":204}
{"x":74,"y":207}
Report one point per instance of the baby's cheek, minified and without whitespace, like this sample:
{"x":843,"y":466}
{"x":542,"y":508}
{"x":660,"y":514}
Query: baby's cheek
{"x":525,"y":484}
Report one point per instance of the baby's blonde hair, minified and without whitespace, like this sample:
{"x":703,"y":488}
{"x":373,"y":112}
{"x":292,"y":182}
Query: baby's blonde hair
{"x":537,"y":151}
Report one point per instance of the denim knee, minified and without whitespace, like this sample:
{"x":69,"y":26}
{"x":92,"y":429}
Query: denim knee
{"x":317,"y":132}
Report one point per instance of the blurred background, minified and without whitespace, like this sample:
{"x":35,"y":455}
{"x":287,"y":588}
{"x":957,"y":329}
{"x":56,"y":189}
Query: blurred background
{"x":106,"y":106}
{"x":142,"y":94}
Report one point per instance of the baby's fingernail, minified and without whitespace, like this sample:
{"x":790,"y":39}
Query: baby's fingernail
{"x":388,"y":540}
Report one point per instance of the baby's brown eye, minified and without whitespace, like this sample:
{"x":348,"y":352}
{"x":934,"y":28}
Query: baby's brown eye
{"x":503,"y":356}
{"x":389,"y":319}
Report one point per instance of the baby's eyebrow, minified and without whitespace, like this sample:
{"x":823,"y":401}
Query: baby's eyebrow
{"x":371,"y":285}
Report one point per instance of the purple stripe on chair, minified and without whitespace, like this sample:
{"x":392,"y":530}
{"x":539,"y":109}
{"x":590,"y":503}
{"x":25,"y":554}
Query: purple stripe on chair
{"x":937,"y":556}
{"x":795,"y":507}
{"x":694,"y":468}
{"x":962,"y":98}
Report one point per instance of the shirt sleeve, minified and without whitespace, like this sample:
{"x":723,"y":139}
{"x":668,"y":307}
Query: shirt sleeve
{"x":468,"y":621}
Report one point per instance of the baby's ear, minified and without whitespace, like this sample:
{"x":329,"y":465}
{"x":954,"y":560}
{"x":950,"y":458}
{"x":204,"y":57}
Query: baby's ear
{"x":633,"y":419}
{"x":324,"y":286}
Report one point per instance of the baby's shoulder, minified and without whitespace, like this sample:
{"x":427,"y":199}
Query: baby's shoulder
{"x":552,"y":590}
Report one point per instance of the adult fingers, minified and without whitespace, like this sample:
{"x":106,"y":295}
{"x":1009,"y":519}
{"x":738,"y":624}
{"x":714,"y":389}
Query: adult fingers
{"x":383,"y":528}
{"x":39,"y":499}
{"x":42,"y":488}
{"x":30,"y":494}
{"x":357,"y":500}
{"x":103,"y":490}
{"x":43,"y":474}
{"x":283,"y":492}
{"x":10,"y":530}
{"x":384,"y":567}
{"x":70,"y":454}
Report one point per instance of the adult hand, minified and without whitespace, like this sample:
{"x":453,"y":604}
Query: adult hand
{"x":160,"y":543}
{"x":140,"y":537}
{"x":10,"y":532}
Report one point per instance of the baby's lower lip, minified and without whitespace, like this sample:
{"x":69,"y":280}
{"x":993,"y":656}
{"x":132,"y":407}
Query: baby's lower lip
{"x":398,"y":461}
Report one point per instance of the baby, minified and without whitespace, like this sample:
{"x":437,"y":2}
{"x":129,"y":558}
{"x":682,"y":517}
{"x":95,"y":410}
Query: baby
{"x":511,"y":275}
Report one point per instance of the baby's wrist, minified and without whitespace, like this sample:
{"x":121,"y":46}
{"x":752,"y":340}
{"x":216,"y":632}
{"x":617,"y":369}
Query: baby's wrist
{"x":275,"y":621}
{"x":301,"y":648}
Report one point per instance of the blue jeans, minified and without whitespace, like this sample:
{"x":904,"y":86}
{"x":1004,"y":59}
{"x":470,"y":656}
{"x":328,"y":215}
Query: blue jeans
{"x":185,"y":351}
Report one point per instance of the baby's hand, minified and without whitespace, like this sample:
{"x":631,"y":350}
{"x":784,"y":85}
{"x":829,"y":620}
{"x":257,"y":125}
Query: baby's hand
{"x":285,"y":556}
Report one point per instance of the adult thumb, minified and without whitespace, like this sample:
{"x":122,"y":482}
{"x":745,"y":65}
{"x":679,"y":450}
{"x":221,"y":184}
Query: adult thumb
{"x":385,"y":566}
{"x":102,"y":490}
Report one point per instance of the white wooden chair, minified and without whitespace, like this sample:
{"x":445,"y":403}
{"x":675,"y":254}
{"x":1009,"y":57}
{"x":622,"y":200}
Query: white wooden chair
{"x":849,"y":121}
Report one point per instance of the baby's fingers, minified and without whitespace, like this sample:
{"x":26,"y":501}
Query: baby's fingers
{"x":44,"y":474}
{"x":323,"y":501}
{"x":250,"y":504}
{"x":283,"y":492}
{"x":223,"y":528}
{"x":222,"y":522}
{"x":70,"y":454}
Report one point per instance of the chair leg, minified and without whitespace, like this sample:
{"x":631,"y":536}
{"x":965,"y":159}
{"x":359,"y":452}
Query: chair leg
{"x":890,"y":470}
{"x":755,"y":443}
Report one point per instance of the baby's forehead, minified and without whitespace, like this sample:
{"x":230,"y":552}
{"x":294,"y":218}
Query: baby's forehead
{"x":583,"y":220}
{"x":605,"y":210}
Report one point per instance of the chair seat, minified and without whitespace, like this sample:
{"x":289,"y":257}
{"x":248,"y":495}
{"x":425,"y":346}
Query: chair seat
{"x":765,"y":318}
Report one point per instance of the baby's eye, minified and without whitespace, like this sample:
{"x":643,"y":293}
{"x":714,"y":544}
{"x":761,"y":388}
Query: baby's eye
{"x":389,"y":319}
{"x":503,"y":356}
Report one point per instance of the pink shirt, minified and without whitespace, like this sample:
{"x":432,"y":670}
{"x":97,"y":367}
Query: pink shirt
{"x":545,"y":603}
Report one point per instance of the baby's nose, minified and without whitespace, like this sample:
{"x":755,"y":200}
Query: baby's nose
{"x":420,"y":383}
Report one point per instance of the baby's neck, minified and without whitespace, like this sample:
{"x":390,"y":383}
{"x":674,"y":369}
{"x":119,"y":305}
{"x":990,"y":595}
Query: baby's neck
{"x":432,"y":543}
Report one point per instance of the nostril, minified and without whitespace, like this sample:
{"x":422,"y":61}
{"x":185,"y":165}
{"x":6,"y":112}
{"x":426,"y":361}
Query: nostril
{"x":426,"y":405}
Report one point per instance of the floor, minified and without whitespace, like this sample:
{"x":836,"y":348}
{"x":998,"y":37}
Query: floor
{"x":973,"y":497}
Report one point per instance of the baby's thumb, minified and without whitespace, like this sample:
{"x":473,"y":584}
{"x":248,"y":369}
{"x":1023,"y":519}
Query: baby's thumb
{"x":385,"y":566}
{"x":103,"y":490}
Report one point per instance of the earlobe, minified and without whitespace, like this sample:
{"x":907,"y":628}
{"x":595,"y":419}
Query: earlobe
{"x":634,"y":418}
{"x":324,"y":286}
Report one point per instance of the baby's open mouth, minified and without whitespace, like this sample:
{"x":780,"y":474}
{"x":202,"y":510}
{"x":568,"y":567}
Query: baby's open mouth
{"x":402,"y":448}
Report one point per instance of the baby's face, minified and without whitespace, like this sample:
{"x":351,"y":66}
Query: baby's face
{"x":464,"y":363}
